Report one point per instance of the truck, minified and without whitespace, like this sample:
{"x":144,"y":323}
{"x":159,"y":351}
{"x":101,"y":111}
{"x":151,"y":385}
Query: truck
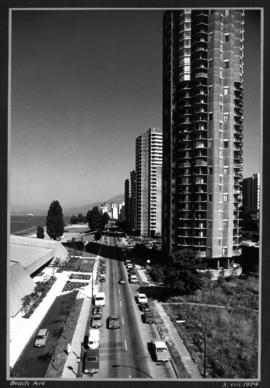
{"x":91,"y":361}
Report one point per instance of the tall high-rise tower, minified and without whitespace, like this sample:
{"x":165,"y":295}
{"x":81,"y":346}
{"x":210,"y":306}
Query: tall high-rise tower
{"x":202,"y":126}
{"x":148,"y":176}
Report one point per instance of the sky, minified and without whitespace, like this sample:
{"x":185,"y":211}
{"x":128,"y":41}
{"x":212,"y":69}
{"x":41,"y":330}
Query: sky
{"x":84,"y":85}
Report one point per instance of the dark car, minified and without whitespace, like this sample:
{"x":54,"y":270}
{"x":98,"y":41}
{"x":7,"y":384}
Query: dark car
{"x":96,"y":321}
{"x":97,"y":310}
{"x":148,"y":317}
{"x":114,"y":321}
{"x":144,"y":307}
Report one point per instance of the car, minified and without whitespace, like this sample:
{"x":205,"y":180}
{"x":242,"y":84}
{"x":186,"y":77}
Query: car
{"x":161,"y":351}
{"x":41,"y":338}
{"x":144,"y":307}
{"x":114,"y":321}
{"x":133,"y":278}
{"x":102,"y":279}
{"x":96,"y":321}
{"x":141,"y":298}
{"x":122,"y":281}
{"x":97,"y":310}
{"x":129,"y":266}
{"x":148,"y":317}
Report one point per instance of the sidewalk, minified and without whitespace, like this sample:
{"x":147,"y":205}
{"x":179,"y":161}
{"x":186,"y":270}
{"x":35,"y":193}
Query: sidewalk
{"x":189,"y":364}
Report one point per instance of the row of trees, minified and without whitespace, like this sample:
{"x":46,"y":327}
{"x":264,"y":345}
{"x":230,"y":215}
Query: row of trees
{"x":55,"y":220}
{"x":180,"y":272}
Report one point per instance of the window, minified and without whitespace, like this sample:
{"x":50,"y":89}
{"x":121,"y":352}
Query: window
{"x":225,"y":170}
{"x":220,"y":215}
{"x":210,"y":89}
{"x":225,"y":197}
{"x":209,"y":224}
{"x":210,"y":62}
{"x":210,"y":37}
{"x":227,"y":12}
{"x":220,"y":73}
{"x":220,"y":125}
{"x":220,"y":108}
{"x":210,"y":116}
{"x":226,"y":64}
{"x":225,"y":224}
{"x":210,"y":141}
{"x":226,"y":90}
{"x":226,"y":143}
{"x":227,"y":37}
{"x":226,"y":116}
{"x":210,"y":197}
{"x":219,"y":242}
{"x":210,"y":170}
{"x":224,"y":251}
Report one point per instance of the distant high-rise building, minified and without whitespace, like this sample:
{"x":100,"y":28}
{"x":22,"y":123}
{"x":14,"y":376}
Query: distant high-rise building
{"x":127,"y":203}
{"x":202,"y":127}
{"x":251,"y":193}
{"x":133,"y":200}
{"x":148,"y":165}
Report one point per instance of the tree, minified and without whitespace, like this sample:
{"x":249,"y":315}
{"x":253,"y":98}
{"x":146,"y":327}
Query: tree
{"x":73,"y":220}
{"x":40,"y":232}
{"x":105,"y":218}
{"x":94,"y":218}
{"x":55,"y":221}
{"x":181,"y":272}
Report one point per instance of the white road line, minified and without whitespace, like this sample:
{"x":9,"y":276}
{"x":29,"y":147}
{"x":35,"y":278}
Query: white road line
{"x":120,"y":301}
{"x":123,"y":320}
{"x":126,"y":344}
{"x":119,"y":293}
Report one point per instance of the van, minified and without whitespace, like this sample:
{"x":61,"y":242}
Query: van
{"x":133,"y":279}
{"x":93,"y":339}
{"x":99,"y":299}
{"x":91,"y":361}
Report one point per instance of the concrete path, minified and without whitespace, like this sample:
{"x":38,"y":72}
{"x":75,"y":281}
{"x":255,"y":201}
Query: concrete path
{"x":173,"y":335}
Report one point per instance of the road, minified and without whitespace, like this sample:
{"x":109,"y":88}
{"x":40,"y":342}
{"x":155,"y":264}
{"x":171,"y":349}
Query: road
{"x":127,"y":346}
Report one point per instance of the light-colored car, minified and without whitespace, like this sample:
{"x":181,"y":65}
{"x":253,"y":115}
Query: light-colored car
{"x":133,"y":279}
{"x":99,"y":299}
{"x":141,"y":298}
{"x":161,"y":351}
{"x":41,"y":338}
{"x":93,"y":338}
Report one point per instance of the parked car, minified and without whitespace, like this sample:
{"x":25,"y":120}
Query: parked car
{"x":144,"y":307}
{"x":91,"y":361}
{"x":97,"y":310}
{"x":148,"y":317}
{"x":93,"y":338}
{"x":141,"y":298}
{"x":41,"y":338}
{"x":96,"y":321}
{"x":114,"y":321}
{"x":161,"y":351}
{"x":99,"y":299}
{"x":122,"y":281}
{"x":133,"y":278}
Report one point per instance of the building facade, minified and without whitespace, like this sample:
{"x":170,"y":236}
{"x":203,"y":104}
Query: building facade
{"x":133,"y":200}
{"x":148,"y":181}
{"x":202,"y":126}
{"x":251,"y":193}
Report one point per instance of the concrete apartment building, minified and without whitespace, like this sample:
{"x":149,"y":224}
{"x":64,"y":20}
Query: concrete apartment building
{"x":202,"y":126}
{"x":149,"y":175}
{"x":133,"y":200}
{"x":251,"y":193}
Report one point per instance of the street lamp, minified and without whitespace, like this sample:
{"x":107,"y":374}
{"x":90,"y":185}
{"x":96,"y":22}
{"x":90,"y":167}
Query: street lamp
{"x":132,"y":367}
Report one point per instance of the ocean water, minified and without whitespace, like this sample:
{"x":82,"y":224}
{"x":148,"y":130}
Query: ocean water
{"x":21,"y":225}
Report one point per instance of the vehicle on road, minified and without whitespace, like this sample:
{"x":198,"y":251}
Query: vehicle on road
{"x":114,"y":321}
{"x":122,"y":281}
{"x":97,"y":310}
{"x":93,"y":339}
{"x":96,"y":321}
{"x":133,"y":278}
{"x":91,"y":361}
{"x":129,"y":266}
{"x":144,"y":307}
{"x":41,"y":338}
{"x":127,"y":262}
{"x":141,"y":298}
{"x":148,"y":317}
{"x":102,"y":277}
{"x":99,"y":299}
{"x":161,"y":351}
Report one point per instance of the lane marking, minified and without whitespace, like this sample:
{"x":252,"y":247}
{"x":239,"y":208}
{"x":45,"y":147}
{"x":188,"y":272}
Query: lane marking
{"x":119,"y":293}
{"x":120,"y":301}
{"x":123,"y":320}
{"x":126,"y":344}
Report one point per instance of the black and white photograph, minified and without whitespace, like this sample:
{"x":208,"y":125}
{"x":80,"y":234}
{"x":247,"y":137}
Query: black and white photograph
{"x":134,"y":194}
